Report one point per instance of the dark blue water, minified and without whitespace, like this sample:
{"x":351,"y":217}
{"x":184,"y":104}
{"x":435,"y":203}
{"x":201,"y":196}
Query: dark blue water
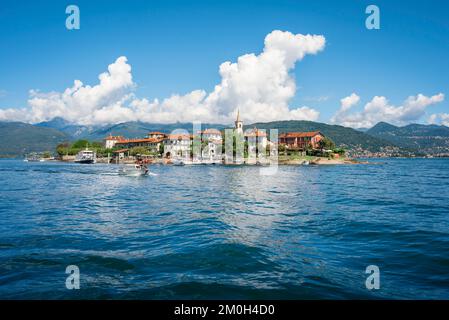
{"x":225,"y":232}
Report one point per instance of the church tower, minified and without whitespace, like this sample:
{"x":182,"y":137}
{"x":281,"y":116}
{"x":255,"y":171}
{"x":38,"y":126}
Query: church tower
{"x":238,"y":124}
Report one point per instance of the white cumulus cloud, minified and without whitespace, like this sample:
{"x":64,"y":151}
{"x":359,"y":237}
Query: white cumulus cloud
{"x":259,"y":85}
{"x":439,"y":118}
{"x":345,"y":104}
{"x":380,"y":109}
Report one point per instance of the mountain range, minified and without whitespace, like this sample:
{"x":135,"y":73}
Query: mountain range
{"x":425,"y":139}
{"x":18,"y":138}
{"x":386,"y":139}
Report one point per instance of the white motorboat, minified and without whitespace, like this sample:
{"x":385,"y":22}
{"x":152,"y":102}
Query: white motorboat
{"x":136,"y":170}
{"x":86,"y":156}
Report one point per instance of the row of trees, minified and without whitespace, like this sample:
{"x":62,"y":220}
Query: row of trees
{"x":72,"y":149}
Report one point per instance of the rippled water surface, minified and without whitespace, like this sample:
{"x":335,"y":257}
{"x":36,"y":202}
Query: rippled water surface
{"x":225,"y":232}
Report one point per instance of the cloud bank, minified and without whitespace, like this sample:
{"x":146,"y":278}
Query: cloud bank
{"x":261,"y":86}
{"x":380,"y":109}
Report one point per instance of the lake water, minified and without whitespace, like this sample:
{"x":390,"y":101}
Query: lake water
{"x":225,"y":232}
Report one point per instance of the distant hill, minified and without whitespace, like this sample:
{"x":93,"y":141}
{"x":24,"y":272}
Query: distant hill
{"x":21,"y":138}
{"x":73,"y":130}
{"x":428,"y":139}
{"x":343,"y":137}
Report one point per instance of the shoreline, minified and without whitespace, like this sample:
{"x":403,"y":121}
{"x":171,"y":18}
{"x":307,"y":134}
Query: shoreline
{"x":295,"y":162}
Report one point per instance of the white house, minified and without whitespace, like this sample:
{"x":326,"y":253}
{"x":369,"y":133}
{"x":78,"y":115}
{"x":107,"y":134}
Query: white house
{"x":212,"y":152}
{"x":211,"y":134}
{"x":177,"y":145}
{"x":110,"y":141}
{"x":256,"y":138}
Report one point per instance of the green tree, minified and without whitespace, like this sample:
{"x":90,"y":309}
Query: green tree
{"x":139,"y":150}
{"x":326,"y":143}
{"x":62,"y":148}
{"x":80,"y":144}
{"x":161,"y":149}
{"x":46,"y":154}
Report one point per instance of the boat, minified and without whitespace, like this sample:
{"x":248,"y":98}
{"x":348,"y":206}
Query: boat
{"x":177,"y":162}
{"x":33,"y":157}
{"x":86,"y":156}
{"x":135,"y":170}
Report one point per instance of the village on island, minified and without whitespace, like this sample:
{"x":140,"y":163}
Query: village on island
{"x":231,"y":146}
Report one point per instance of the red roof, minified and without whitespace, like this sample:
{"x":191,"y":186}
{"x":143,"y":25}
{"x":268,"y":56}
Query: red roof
{"x":210,"y":131}
{"x":114,"y":138}
{"x":255,"y":133}
{"x":121,"y":150}
{"x":181,"y":136}
{"x":156,"y":133}
{"x":300,"y":134}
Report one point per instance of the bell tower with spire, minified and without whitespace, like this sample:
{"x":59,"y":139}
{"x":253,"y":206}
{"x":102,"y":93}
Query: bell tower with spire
{"x":238,"y":123}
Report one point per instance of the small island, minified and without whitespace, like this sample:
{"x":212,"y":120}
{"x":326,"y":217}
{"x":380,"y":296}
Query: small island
{"x":231,"y":146}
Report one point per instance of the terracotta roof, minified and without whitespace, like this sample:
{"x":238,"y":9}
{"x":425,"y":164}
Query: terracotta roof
{"x":121,"y":150}
{"x":114,"y":138}
{"x":299,"y":134}
{"x":255,"y":133}
{"x":181,"y":136}
{"x":156,"y":133}
{"x":210,"y":131}
{"x":139,"y":140}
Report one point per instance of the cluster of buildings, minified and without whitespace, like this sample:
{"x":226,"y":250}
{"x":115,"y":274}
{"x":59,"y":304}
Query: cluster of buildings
{"x":180,"y":145}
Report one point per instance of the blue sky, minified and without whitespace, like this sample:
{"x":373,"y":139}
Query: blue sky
{"x":177,"y":47}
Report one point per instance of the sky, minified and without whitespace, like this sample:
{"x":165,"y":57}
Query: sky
{"x":168,"y":61}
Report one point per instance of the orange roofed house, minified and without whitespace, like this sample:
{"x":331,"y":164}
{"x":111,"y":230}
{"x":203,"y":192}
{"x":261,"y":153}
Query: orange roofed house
{"x":301,"y":140}
{"x":152,"y":141}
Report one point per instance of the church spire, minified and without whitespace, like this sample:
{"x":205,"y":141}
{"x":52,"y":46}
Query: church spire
{"x":238,"y":123}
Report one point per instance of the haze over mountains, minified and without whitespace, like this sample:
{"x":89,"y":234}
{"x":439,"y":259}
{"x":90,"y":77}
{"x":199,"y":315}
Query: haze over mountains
{"x":415,"y":139}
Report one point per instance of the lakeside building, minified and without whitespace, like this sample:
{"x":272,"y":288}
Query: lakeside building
{"x":177,"y":145}
{"x":211,"y":149}
{"x":120,"y":154}
{"x":256,"y":139}
{"x":157,"y":135}
{"x":301,"y":140}
{"x":153,"y":141}
{"x":111,"y":141}
{"x":212,"y":152}
{"x":153,"y":144}
{"x":210,"y":134}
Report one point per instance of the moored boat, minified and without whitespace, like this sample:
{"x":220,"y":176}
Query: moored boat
{"x":33,"y":157}
{"x":86,"y":156}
